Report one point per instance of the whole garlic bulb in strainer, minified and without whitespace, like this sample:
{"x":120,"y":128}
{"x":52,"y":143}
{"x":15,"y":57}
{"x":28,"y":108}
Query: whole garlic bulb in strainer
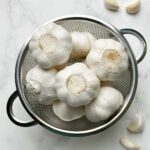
{"x":40,"y":84}
{"x":76,"y":85}
{"x":66,"y":112}
{"x":108,"y":59}
{"x":105,"y":104}
{"x":51,"y":45}
{"x":82,"y":43}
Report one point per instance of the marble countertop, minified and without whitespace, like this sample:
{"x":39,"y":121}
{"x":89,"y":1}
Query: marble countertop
{"x":18,"y":19}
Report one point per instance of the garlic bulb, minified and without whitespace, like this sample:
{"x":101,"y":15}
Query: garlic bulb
{"x":133,"y":7}
{"x":82,"y":43}
{"x":111,"y":4}
{"x":51,"y":45}
{"x":108,"y":59}
{"x":40,"y":84}
{"x":66,"y":112}
{"x":137,"y":123}
{"x":104,"y":105}
{"x":76,"y":85}
{"x":129,"y":144}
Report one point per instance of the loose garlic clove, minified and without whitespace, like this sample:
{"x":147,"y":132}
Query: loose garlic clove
{"x":111,"y":5}
{"x":76,"y":85}
{"x":40,"y":84}
{"x":108,"y":59}
{"x":133,"y":7}
{"x":137,"y":123}
{"x":82,"y":43}
{"x":129,"y":144}
{"x":51,"y":45}
{"x":67,"y":113}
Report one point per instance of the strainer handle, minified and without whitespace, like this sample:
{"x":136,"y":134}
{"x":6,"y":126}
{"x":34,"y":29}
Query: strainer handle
{"x":141,"y":39}
{"x":11,"y":114}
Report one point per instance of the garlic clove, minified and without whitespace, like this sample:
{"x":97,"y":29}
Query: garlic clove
{"x":133,"y":7}
{"x":137,"y":123}
{"x":129,"y":144}
{"x":111,"y":5}
{"x":67,"y":113}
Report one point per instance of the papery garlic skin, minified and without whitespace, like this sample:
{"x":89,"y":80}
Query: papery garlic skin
{"x":111,"y":5}
{"x":40,"y":83}
{"x":76,"y":85}
{"x":129,"y":144}
{"x":137,"y":123}
{"x":133,"y":7}
{"x":105,"y":104}
{"x":66,"y":112}
{"x":51,"y":45}
{"x":108,"y":59}
{"x":82,"y":43}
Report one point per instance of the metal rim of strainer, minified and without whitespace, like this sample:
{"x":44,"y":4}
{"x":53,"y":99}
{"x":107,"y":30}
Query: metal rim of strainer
{"x":128,"y":100}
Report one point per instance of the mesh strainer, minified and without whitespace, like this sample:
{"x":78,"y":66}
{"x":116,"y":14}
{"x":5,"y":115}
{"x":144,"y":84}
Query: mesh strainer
{"x":44,"y":115}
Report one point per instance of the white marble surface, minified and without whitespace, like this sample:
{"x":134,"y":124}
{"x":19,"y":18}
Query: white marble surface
{"x":18,"y":19}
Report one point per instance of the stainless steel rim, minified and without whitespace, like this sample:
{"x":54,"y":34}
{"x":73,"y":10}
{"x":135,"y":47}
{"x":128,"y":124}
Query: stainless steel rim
{"x":97,"y":129}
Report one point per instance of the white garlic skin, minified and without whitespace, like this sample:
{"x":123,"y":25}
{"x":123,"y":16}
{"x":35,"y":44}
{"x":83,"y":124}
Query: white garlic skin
{"x":136,"y":125}
{"x":111,"y":5}
{"x":129,"y":144}
{"x":40,"y":84}
{"x":105,"y":104}
{"x":108,"y":59}
{"x":133,"y":7}
{"x":82,"y":43}
{"x":51,"y":45}
{"x":66,"y":112}
{"x":76,"y":85}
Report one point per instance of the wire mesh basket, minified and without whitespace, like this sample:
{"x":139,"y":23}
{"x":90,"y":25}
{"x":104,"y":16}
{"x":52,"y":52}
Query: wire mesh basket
{"x":43,"y":114}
